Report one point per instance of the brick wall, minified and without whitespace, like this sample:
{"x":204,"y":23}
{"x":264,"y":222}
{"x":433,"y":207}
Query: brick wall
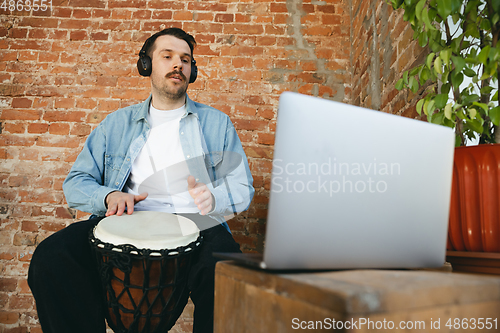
{"x":63,"y":70}
{"x":382,"y":48}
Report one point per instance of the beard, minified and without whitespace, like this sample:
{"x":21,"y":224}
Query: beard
{"x":169,"y":90}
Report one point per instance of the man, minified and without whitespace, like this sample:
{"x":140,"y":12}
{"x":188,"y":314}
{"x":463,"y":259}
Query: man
{"x":207,"y":178}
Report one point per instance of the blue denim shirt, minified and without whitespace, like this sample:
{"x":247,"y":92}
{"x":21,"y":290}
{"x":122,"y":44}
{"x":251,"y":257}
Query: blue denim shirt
{"x":105,"y":162}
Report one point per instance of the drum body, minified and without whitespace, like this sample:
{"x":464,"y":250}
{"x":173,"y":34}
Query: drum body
{"x":144,"y":261}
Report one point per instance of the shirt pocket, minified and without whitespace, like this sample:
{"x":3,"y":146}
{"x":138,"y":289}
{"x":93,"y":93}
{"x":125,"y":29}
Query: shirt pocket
{"x":113,"y":164}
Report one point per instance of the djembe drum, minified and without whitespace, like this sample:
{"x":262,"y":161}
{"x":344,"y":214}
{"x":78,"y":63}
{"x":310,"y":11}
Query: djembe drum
{"x":144,"y":261}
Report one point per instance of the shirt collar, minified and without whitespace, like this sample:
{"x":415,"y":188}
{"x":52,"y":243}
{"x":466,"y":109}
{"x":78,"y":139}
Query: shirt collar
{"x":142,"y":111}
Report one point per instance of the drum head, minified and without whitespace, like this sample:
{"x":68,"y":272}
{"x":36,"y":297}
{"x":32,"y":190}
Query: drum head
{"x":147,"y":230}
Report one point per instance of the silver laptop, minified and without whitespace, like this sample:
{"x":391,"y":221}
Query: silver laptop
{"x":355,"y":188}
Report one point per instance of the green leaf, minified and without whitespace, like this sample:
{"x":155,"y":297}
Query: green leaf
{"x":455,"y":6}
{"x":496,"y":5}
{"x":486,"y":90}
{"x":429,"y":59}
{"x":419,"y":106}
{"x":425,"y":74}
{"x":423,"y":39}
{"x":495,"y":19}
{"x":415,"y":70}
{"x":441,"y":100}
{"x":413,"y":84}
{"x":447,"y":111}
{"x":427,"y":21}
{"x":445,"y":55}
{"x":456,"y":79}
{"x":405,"y":77}
{"x":469,"y":72}
{"x":483,"y":55}
{"x":444,"y":8}
{"x":418,"y":9}
{"x":475,"y":125}
{"x":399,"y":84}
{"x":459,"y":63}
{"x":437,"y":118}
{"x":485,"y":25}
{"x":469,"y":99}
{"x":482,"y":106}
{"x":495,"y":115}
{"x":438,"y":65}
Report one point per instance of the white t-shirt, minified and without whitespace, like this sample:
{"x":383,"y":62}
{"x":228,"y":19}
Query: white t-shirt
{"x":160,"y":168}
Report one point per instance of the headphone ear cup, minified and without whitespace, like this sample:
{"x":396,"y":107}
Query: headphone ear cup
{"x":194,"y":71}
{"x":144,"y":66}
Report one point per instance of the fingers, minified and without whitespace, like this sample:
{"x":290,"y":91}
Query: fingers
{"x":191,"y":182}
{"x":202,"y":196}
{"x":118,"y":202}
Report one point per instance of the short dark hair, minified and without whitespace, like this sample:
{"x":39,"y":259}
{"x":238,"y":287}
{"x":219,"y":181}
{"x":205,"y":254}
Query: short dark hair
{"x":176,"y":32}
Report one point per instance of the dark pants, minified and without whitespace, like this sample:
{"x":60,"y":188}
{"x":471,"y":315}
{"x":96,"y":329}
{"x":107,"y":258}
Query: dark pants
{"x":65,"y":282}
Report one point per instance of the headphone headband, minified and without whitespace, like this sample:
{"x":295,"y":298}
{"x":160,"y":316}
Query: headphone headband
{"x":145,"y":66}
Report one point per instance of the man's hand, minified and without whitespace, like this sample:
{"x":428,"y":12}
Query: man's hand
{"x":118,"y":201}
{"x":201,"y":194}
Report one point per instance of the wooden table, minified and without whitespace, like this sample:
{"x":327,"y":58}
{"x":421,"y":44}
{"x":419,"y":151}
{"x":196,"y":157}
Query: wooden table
{"x":250,"y":300}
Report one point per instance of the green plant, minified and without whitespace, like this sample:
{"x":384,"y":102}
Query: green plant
{"x":462,"y":38}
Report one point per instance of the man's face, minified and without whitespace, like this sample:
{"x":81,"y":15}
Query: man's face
{"x":171,"y":60}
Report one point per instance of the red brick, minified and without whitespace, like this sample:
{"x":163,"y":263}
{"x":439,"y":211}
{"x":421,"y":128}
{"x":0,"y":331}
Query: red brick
{"x":59,"y":129}
{"x":18,"y":128}
{"x":8,"y":318}
{"x":6,"y":256}
{"x":99,"y":36}
{"x":38,"y":128}
{"x":71,"y":116}
{"x":265,"y":138}
{"x":63,"y":213}
{"x":207,"y":6}
{"x":142,"y":14}
{"x":21,"y":102}
{"x":250,"y":125}
{"x":121,"y":14}
{"x":74,"y":24}
{"x":86,"y":103}
{"x":62,"y":12}
{"x":63,"y":142}
{"x":162,"y":15}
{"x":29,"y":226}
{"x":77,"y":35}
{"x":16,"y":140}
{"x":278,"y":8}
{"x":64,"y":103}
{"x":87,"y":3}
{"x":18,"y":33}
{"x":17,"y":302}
{"x":18,"y":181}
{"x":48,"y":57}
{"x":38,"y":22}
{"x":101,"y":13}
{"x":225,"y":18}
{"x":246,"y":29}
{"x":8,"y":284}
{"x":82,"y":13}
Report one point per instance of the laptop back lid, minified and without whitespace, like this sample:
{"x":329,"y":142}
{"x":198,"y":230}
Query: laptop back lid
{"x":356,"y":188}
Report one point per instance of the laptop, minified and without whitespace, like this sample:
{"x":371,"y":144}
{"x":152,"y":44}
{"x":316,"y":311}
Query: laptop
{"x":354,"y":188}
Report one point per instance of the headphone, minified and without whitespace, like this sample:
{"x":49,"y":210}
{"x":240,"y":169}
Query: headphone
{"x":144,"y":64}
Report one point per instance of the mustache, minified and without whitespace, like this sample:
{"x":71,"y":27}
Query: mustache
{"x":176,"y":73}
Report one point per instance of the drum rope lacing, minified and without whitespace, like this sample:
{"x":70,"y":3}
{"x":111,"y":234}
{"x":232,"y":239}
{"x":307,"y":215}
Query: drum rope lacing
{"x":168,"y":288}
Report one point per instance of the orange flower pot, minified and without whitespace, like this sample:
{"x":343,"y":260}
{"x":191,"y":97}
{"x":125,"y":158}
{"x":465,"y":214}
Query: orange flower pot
{"x":475,"y":201}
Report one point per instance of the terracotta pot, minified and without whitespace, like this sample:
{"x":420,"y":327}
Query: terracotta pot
{"x":475,"y":200}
